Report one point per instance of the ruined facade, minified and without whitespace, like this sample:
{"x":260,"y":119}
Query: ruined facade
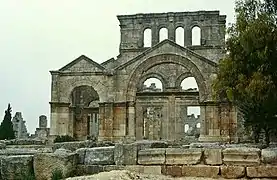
{"x":109,"y":100}
{"x":19,"y":126}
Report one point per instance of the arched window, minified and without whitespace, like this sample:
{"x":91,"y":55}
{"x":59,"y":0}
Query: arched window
{"x":196,"y":36}
{"x":147,"y":37}
{"x":163,"y":34}
{"x":189,"y":84}
{"x":179,"y":36}
{"x":152,"y":85}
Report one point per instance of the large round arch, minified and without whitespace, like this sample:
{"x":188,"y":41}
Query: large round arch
{"x":137,"y":74}
{"x":83,"y":95}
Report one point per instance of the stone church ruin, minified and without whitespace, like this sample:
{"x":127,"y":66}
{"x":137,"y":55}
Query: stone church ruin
{"x":110,"y":101}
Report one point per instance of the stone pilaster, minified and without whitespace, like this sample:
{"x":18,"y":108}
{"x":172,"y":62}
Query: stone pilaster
{"x":106,"y":121}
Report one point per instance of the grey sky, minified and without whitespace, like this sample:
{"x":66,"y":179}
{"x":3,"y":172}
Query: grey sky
{"x":41,"y":35}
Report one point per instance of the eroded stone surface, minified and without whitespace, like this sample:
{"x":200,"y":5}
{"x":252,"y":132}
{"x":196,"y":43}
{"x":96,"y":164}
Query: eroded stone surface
{"x":241,"y":156}
{"x":99,"y":156}
{"x":183,"y":156}
{"x":125,"y":154}
{"x":213,"y":156}
{"x":13,"y":167}
{"x":201,"y":171}
{"x":46,"y":163}
{"x":174,"y":171}
{"x":262,"y":172}
{"x":232,"y":172}
{"x":269,"y":156}
{"x":152,"y":156}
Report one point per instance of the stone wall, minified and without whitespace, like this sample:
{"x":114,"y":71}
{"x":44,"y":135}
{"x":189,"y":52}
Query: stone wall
{"x":150,"y":157}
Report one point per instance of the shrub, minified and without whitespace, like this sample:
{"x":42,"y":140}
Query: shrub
{"x":64,"y":139}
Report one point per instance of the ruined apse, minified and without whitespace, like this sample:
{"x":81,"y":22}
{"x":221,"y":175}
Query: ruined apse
{"x":110,"y":101}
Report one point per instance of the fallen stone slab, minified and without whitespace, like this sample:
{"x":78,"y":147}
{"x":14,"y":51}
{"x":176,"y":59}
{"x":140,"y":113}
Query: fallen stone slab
{"x":269,"y":156}
{"x":262,"y":172}
{"x":179,"y":156}
{"x":13,"y":167}
{"x":241,"y":156}
{"x":99,"y":156}
{"x":232,"y":172}
{"x":154,"y":156}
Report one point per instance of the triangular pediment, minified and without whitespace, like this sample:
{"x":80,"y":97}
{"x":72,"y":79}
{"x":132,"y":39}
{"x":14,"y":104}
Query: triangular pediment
{"x":82,"y":64}
{"x":167,"y":47}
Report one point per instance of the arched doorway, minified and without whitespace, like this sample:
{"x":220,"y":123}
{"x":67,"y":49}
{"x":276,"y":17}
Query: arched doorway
{"x":163,"y":108}
{"x":85,"y":110}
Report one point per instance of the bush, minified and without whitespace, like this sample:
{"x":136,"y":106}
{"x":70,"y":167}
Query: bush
{"x":57,"y":174}
{"x":64,"y":139}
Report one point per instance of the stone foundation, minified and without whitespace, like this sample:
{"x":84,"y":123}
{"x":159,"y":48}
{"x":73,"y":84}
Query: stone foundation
{"x":208,"y":161}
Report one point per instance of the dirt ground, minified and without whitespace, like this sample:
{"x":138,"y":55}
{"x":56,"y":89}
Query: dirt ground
{"x":127,"y":175}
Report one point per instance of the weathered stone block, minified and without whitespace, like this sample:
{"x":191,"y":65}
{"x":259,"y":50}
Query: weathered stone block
{"x":269,"y":156}
{"x":13,"y":167}
{"x":153,"y":156}
{"x":73,"y":146}
{"x":213,"y":156}
{"x":93,"y":169}
{"x":156,"y":170}
{"x":146,"y":144}
{"x":201,"y":171}
{"x":125,"y":154}
{"x":135,"y":168}
{"x":183,"y":156}
{"x":175,"y":171}
{"x":232,"y":172}
{"x":262,"y":172}
{"x":46,"y":163}
{"x":113,"y":167}
{"x":17,"y":151}
{"x":241,"y":156}
{"x":99,"y":156}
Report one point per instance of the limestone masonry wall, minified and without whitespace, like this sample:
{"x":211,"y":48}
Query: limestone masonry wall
{"x":150,"y":157}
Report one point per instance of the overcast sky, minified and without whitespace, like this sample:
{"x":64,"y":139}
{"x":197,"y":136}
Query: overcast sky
{"x":41,"y":35}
